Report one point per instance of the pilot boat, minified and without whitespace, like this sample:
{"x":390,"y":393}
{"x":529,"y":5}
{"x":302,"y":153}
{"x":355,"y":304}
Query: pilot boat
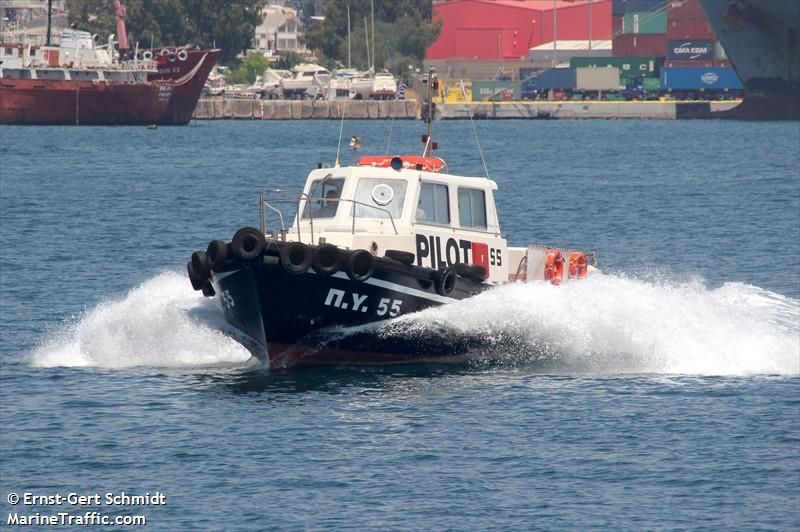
{"x":383,"y":238}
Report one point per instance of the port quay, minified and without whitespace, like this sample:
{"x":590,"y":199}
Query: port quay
{"x":213,"y":109}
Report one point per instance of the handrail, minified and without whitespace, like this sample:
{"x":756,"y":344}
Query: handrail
{"x":297,"y":199}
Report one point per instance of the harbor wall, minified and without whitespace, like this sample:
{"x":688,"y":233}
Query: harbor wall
{"x":213,"y":109}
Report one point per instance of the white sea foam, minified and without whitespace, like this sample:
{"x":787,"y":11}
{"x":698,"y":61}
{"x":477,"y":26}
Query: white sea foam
{"x":605,"y":324}
{"x":613,"y":324}
{"x":160,"y":323}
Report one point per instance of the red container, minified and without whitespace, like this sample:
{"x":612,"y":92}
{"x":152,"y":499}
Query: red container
{"x":690,"y":29}
{"x":616,"y":24}
{"x":639,"y":44}
{"x":690,"y":64}
{"x":684,"y":9}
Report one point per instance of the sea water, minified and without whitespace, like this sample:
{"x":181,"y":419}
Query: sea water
{"x":661,"y":393}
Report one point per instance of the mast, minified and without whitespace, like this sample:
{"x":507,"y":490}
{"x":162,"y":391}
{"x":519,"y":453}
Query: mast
{"x":119,"y":13}
{"x":49,"y":20}
{"x":432,"y":85}
{"x":372,"y":19}
{"x":348,"y":36}
{"x":366,"y":39}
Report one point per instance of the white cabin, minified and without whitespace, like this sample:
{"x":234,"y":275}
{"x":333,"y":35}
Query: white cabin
{"x":410,"y":203}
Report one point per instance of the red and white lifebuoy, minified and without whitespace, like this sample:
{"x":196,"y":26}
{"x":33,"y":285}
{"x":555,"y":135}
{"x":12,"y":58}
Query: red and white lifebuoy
{"x":554,"y":266}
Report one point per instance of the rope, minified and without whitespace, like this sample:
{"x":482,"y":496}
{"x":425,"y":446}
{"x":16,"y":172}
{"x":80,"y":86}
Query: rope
{"x":474,"y":129}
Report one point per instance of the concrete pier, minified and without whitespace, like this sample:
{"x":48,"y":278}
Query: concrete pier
{"x":217,"y":108}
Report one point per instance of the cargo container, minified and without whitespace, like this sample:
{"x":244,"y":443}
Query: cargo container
{"x":556,"y":79}
{"x":597,"y":79}
{"x":496,"y":91}
{"x":628,"y":66}
{"x":616,"y":24}
{"x":685,"y":9}
{"x":645,"y":22}
{"x":688,"y":50}
{"x":620,"y":7}
{"x":697,"y":29}
{"x":639,"y":45}
{"x":702,"y":79}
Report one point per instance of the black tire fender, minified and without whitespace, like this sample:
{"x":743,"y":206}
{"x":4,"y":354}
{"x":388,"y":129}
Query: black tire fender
{"x":400,"y":256}
{"x":197,"y":283}
{"x":201,"y":266}
{"x":360,"y":265}
{"x":327,"y":259}
{"x":217,"y":253}
{"x":445,"y":281}
{"x":248,"y":243}
{"x":471,"y":271}
{"x":296,"y":258}
{"x":208,"y":290}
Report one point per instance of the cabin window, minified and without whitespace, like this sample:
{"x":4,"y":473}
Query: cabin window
{"x":434,"y":204}
{"x":471,"y":207}
{"x":323,"y":198}
{"x":377,"y":197}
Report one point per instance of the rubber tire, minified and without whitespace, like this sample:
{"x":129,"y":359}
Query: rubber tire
{"x":290,"y":254}
{"x":327,"y":259}
{"x":197,"y":284}
{"x":217,"y":253}
{"x":201,"y":266}
{"x":400,"y":256}
{"x":471,"y":271}
{"x":445,"y":281}
{"x":355,"y":265}
{"x":248,"y":243}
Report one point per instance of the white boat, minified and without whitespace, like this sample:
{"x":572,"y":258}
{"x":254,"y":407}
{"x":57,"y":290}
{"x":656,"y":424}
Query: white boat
{"x":381,"y":86}
{"x":301,"y":80}
{"x":383,"y":238}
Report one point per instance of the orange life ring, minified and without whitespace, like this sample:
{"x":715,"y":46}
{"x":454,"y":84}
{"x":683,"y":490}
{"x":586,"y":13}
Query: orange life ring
{"x":554,"y":266}
{"x":578,"y":265}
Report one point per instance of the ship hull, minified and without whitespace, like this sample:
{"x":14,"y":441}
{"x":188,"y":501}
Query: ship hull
{"x":47,"y":102}
{"x":762,"y":41}
{"x":189,"y":76}
{"x":290,"y":319}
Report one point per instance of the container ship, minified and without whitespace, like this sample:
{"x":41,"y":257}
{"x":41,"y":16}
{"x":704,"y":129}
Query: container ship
{"x":78,"y":83}
{"x":762,"y":40}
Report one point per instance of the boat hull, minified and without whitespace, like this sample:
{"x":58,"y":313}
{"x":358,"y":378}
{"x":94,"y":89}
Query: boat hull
{"x":189,"y":77}
{"x":65,"y":102}
{"x":761,"y":40}
{"x":289,"y":319}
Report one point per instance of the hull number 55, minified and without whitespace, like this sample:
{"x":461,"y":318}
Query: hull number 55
{"x":359,"y":303}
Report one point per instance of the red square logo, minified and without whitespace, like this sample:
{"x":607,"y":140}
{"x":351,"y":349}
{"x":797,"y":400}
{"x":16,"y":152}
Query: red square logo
{"x":480,"y":254}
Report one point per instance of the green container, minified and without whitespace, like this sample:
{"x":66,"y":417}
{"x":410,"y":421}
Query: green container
{"x":651,"y":84}
{"x":496,"y":91}
{"x":645,"y":22}
{"x":628,"y":66}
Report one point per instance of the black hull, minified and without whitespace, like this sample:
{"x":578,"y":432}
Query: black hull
{"x":311,"y":318}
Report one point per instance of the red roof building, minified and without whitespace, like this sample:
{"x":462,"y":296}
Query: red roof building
{"x":507,"y":29}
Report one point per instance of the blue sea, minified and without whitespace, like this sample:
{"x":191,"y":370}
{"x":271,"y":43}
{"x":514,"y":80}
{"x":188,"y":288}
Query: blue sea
{"x":669,"y":398}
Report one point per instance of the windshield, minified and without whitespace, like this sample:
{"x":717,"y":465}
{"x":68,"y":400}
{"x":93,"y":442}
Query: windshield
{"x":323,"y":198}
{"x":377,"y":196}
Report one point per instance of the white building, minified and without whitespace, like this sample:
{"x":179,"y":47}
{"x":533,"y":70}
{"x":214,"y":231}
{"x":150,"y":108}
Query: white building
{"x":280,"y":31}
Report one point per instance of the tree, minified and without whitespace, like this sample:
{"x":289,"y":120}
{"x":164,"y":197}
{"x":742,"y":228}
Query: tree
{"x":227,"y":25}
{"x":403,"y":32}
{"x":254,"y":65}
